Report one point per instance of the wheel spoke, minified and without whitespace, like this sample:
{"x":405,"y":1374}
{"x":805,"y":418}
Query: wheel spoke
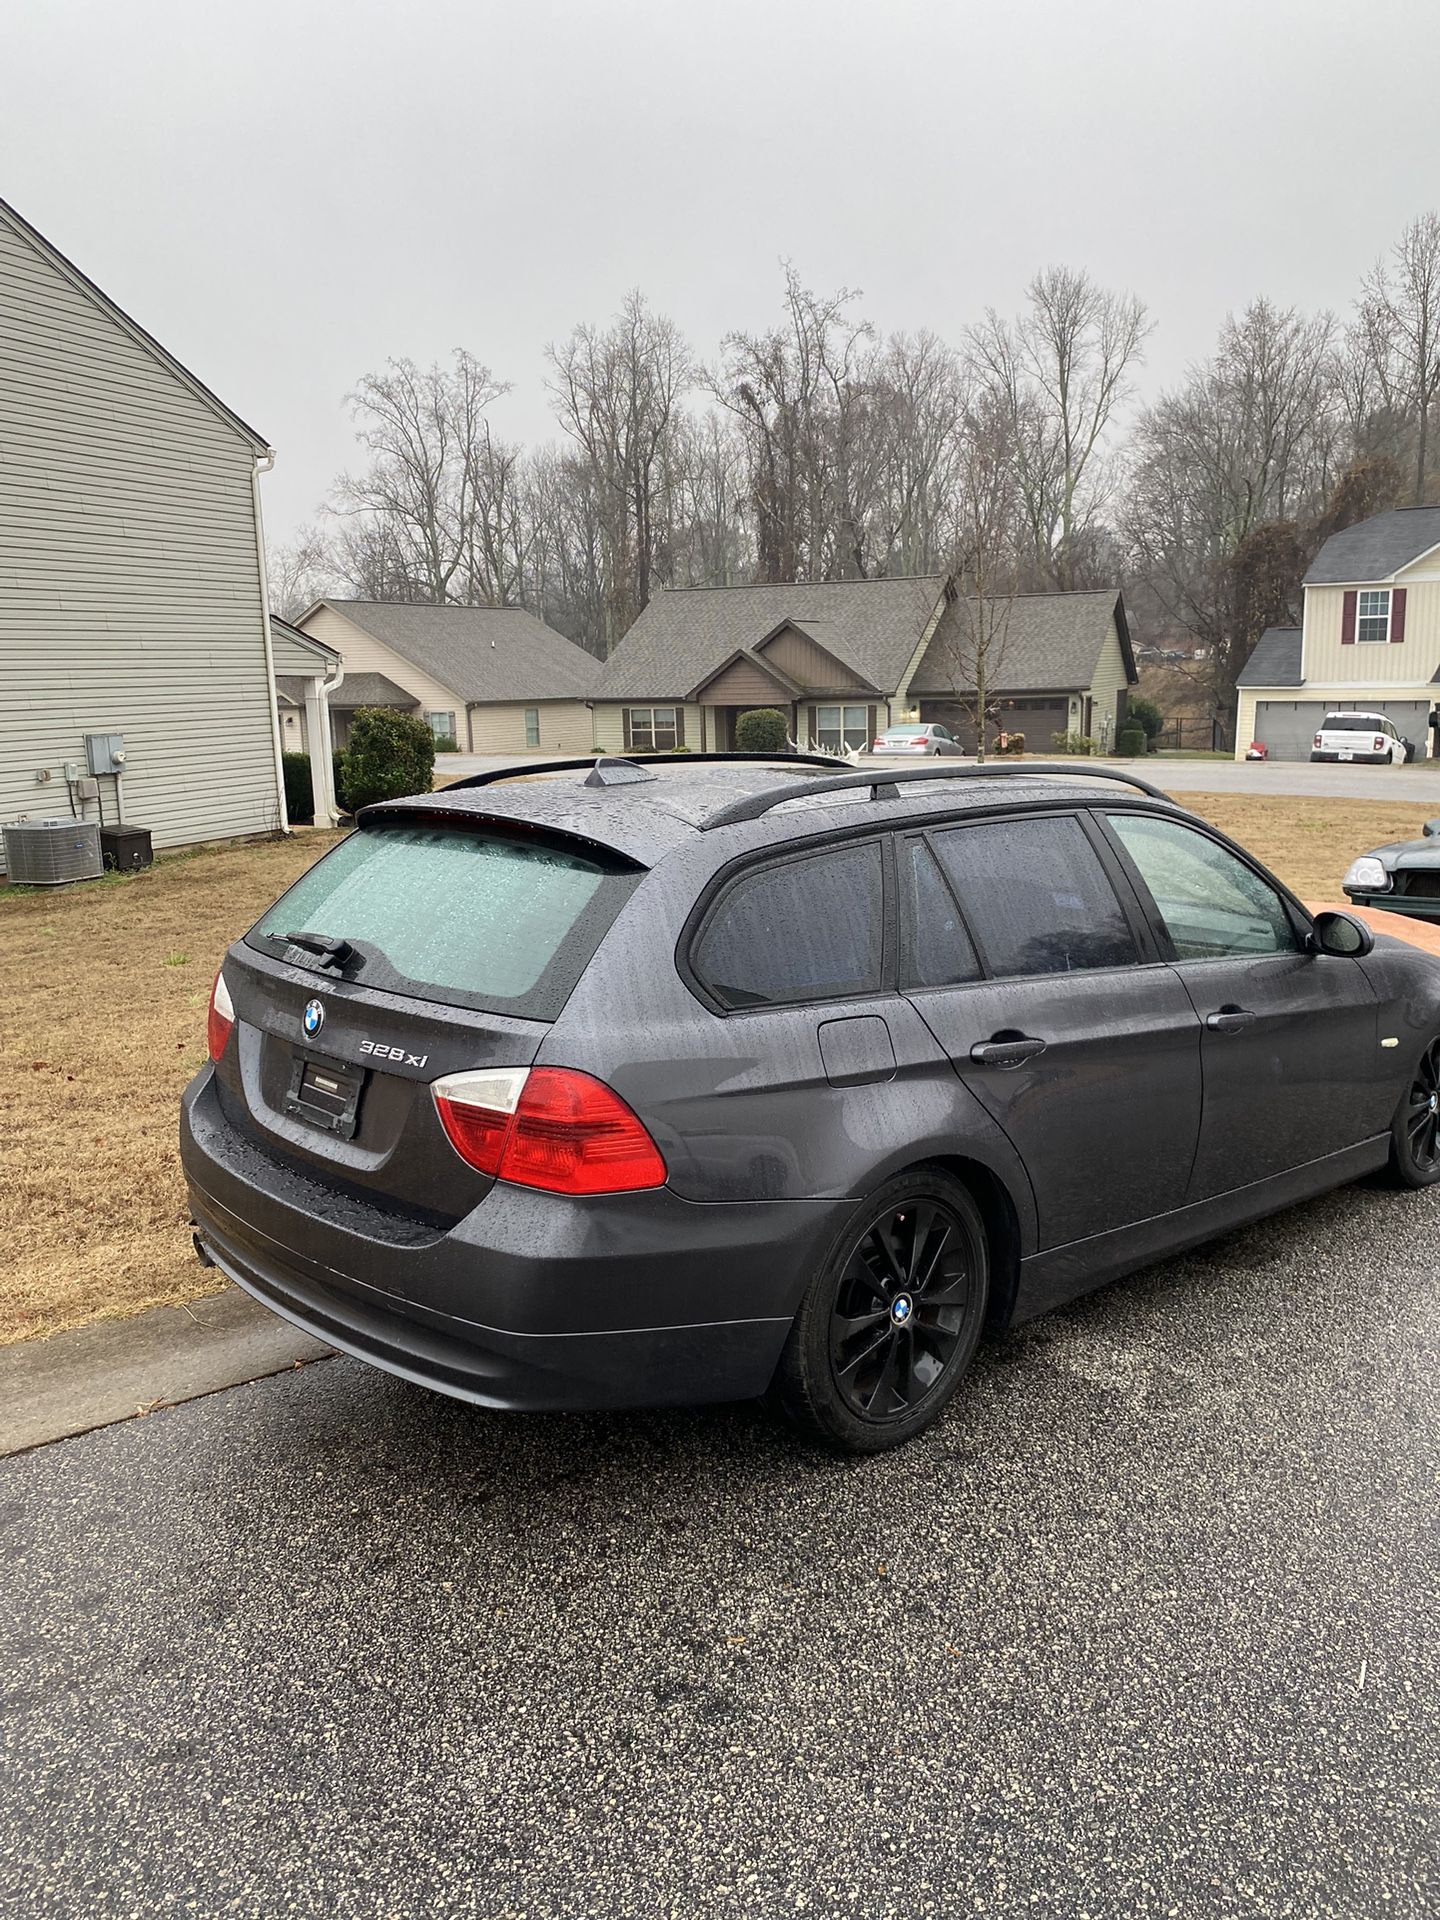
{"x":884,"y":1383}
{"x":867,"y":1352}
{"x":922,"y":1219}
{"x":934,"y":1256}
{"x":879,"y":1238}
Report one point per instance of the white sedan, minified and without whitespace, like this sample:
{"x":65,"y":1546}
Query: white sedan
{"x":927,"y":739}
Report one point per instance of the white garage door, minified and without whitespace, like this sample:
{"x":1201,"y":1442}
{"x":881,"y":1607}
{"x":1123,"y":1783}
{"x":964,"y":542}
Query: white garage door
{"x":1288,"y":727}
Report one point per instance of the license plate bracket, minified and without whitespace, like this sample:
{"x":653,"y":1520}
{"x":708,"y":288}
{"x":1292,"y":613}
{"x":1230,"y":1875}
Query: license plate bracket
{"x":1345,"y":754}
{"x":325,"y":1093}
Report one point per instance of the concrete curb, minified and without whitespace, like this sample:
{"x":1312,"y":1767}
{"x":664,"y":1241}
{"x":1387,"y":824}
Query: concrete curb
{"x":116,"y":1369}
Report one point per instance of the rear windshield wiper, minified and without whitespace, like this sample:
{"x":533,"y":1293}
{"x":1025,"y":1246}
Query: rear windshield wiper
{"x":333,"y":952}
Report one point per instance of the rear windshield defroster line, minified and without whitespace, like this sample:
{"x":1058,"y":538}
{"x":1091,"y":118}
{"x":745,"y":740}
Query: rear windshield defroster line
{"x":472,"y":917}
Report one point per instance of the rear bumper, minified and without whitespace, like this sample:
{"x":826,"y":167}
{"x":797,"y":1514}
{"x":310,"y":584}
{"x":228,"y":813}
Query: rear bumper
{"x":1356,"y":759}
{"x":532,"y":1301}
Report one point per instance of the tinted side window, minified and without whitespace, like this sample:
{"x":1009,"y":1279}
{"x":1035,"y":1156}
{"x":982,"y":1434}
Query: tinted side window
{"x":1036,"y":896}
{"x":1212,"y":904}
{"x":810,"y":929}
{"x":936,"y":950}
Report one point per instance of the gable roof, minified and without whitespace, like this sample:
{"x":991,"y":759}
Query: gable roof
{"x":761,"y":662}
{"x":687,"y":633}
{"x":1275,"y":661}
{"x":481,"y":653}
{"x":1376,"y":548}
{"x":87,"y":286}
{"x":1052,"y":642}
{"x":370,"y":690}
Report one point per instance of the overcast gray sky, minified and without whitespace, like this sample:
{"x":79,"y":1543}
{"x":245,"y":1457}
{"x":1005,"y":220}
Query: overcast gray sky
{"x":288,"y":193}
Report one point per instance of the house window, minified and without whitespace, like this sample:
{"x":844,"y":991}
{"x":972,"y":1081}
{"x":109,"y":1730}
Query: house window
{"x":1372,"y":616}
{"x":532,"y":726}
{"x":837,"y":729}
{"x":442,"y":725}
{"x":654,"y":729}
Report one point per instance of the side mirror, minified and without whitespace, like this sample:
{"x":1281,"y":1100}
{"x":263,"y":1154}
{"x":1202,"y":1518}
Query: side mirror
{"x":1342,"y":935}
{"x":1432,"y":829}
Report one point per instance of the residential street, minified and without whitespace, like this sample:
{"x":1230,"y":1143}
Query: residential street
{"x":1414,"y":784}
{"x":1147,"y":1627}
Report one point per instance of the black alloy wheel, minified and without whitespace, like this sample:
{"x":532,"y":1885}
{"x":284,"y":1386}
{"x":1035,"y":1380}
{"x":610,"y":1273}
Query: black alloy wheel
{"x":1415,"y":1135}
{"x":888,"y":1327}
{"x":900,"y":1310}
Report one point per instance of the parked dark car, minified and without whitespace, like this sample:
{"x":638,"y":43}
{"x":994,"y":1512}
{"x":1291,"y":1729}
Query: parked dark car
{"x":659,"y":1085}
{"x":1403,"y":877}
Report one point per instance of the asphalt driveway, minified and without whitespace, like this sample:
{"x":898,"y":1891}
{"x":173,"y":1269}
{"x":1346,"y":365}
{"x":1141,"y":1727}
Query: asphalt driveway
{"x":1146,"y":1628}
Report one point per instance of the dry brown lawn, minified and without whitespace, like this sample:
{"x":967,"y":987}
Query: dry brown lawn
{"x":103,"y":996}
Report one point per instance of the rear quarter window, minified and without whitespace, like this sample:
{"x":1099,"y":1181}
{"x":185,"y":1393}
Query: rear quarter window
{"x":807,"y":928}
{"x":470,"y":917}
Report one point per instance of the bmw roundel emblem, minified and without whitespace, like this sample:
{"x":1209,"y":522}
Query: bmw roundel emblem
{"x":313,"y":1018}
{"x":901,"y":1307}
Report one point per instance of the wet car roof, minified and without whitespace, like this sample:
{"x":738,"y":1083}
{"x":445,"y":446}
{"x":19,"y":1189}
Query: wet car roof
{"x":645,"y":820}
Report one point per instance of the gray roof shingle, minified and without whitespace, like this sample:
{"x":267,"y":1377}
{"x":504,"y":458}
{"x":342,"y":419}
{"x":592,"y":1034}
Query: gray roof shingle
{"x":1051,"y":642}
{"x":482,"y":653}
{"x":370,"y":690}
{"x":1275,"y":661}
{"x":1376,"y":548}
{"x":872,"y":626}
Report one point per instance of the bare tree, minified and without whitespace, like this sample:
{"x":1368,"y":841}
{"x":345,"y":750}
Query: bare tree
{"x":300,"y":572}
{"x":615,"y":393}
{"x":1249,"y":440}
{"x":417,"y":501}
{"x":972,"y":639}
{"x":1396,"y":337}
{"x":1064,"y":368}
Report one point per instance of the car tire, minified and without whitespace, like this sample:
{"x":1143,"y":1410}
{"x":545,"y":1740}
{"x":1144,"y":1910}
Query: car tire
{"x":1415,"y":1131}
{"x":890,"y":1323}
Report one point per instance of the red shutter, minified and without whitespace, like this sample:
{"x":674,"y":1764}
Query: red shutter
{"x":1347,"y":620}
{"x":1397,"y":615}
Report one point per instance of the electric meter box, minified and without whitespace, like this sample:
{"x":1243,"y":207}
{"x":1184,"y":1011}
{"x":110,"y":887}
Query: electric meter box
{"x":105,"y":752}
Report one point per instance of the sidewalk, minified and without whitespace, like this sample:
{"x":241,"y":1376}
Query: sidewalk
{"x":115,"y":1369}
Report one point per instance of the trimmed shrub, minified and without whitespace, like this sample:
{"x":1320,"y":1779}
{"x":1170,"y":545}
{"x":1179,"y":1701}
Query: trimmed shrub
{"x":299,"y":799}
{"x":1144,"y":714}
{"x":761,"y":730}
{"x":1131,"y":743}
{"x":390,"y":754}
{"x":1072,"y":742}
{"x":445,"y":744}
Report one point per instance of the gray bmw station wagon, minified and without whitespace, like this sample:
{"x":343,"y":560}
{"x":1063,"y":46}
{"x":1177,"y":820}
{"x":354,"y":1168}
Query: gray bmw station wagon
{"x":642,"y":1083}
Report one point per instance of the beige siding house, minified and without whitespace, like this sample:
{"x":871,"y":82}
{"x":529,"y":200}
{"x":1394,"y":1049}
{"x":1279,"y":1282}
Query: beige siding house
{"x":843,"y":659}
{"x":1370,"y":640}
{"x":490,"y":679}
{"x":131,"y":572}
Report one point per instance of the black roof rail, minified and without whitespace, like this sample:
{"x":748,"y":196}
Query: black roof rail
{"x":886,"y":786}
{"x":598,"y":762}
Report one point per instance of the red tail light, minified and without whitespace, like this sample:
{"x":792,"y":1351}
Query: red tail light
{"x":1379,"y":746}
{"x":548,"y":1127}
{"x":919,"y":740}
{"x":1319,"y":741}
{"x":222,"y":1017}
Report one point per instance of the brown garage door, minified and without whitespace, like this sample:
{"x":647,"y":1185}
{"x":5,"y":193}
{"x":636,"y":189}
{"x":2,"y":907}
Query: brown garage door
{"x":1038,"y":719}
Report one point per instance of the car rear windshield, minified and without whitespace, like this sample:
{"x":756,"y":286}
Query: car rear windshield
{"x":1350,"y":722}
{"x":475,"y":918}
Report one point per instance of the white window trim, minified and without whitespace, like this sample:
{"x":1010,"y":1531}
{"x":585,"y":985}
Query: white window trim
{"x":449,"y":733}
{"x":674,"y":728}
{"x":1384,"y":640}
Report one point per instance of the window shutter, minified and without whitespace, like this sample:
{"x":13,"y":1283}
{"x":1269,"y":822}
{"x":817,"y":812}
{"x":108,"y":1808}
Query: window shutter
{"x":1397,"y":615}
{"x":625,"y":722}
{"x":679,"y":726}
{"x":1347,"y":620}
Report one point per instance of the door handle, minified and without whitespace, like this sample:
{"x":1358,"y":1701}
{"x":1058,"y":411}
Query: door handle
{"x":1011,"y":1052}
{"x":1230,"y":1020}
